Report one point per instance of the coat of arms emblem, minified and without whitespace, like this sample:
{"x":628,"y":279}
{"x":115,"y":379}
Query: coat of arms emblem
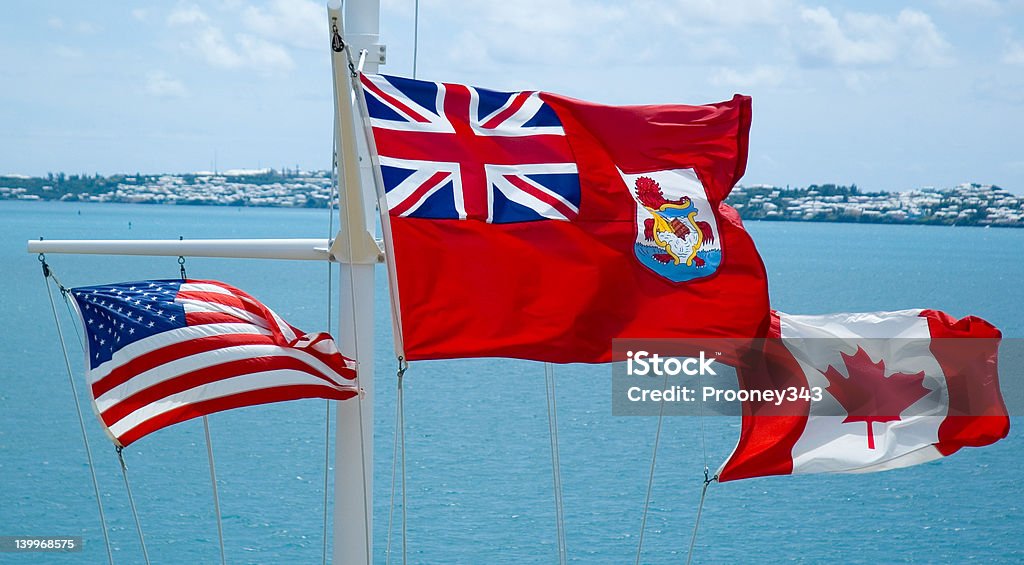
{"x":677,"y":232}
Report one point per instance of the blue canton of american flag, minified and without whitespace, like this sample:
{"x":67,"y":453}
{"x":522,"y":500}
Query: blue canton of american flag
{"x":450,"y":151}
{"x":121,"y":314}
{"x":164,"y":351}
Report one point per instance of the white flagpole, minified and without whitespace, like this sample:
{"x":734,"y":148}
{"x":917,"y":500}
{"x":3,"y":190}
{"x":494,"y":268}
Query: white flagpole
{"x":296,"y":249}
{"x":357,"y":251}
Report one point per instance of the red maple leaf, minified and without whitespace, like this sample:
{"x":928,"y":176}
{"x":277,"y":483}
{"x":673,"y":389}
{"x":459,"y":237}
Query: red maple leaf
{"x":868,"y":395}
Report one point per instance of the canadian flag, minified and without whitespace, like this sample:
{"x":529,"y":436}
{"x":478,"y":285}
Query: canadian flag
{"x":871,"y":392}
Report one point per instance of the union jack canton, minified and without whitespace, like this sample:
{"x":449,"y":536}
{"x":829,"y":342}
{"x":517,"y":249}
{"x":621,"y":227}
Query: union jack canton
{"x":451,"y":151}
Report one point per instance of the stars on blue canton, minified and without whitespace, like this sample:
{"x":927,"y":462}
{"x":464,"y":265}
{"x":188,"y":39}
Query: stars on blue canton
{"x":117,"y":315}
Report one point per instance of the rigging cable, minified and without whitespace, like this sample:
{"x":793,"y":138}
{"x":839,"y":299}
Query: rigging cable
{"x":131,"y":502}
{"x":398,"y":448}
{"x":556,"y":463}
{"x":703,"y":437}
{"x":334,"y":196}
{"x":707,"y":478}
{"x":47,"y":274}
{"x":209,"y":448}
{"x":415,"y":37}
{"x":213,"y":481}
{"x":401,"y":407}
{"x":650,"y":478}
{"x":700,"y":508}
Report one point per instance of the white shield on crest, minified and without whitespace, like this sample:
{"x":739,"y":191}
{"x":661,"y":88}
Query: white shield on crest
{"x":676,"y":229}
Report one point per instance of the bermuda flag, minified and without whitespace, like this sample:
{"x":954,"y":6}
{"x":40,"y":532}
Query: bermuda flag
{"x":535,"y":226}
{"x":885,"y":390}
{"x":161,"y":352}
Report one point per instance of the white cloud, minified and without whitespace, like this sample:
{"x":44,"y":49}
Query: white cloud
{"x":208,"y":42}
{"x":68,"y":52}
{"x":865,"y":40}
{"x":264,"y":55}
{"x":857,"y":80}
{"x":299,"y":23}
{"x":159,"y":83}
{"x":140,"y":14}
{"x":87,"y":28}
{"x":1001,"y":88}
{"x":972,"y":7}
{"x":1014,"y":54}
{"x":726,"y":13}
{"x":187,"y":15}
{"x":758,"y":76}
{"x":927,"y":46}
{"x":712,"y":49}
{"x":571,"y":31}
{"x":677,"y":33}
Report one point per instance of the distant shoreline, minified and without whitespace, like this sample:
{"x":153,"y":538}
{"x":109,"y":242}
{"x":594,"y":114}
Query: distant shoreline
{"x":963,"y":205}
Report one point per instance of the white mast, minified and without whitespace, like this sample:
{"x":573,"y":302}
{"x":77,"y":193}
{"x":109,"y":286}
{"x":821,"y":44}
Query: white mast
{"x":358,"y":253}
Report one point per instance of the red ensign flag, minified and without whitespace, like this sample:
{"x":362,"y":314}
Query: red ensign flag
{"x":534,"y":226}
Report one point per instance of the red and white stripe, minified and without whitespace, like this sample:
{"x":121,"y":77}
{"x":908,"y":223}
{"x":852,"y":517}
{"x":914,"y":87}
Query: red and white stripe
{"x":234,"y":352}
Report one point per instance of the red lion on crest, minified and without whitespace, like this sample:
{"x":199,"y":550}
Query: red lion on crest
{"x":649,"y":192}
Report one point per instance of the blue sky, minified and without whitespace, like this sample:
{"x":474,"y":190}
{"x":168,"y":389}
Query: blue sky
{"x":888,"y":95}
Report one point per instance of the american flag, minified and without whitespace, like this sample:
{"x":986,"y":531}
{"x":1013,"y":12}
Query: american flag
{"x":164,"y":351}
{"x":451,"y":151}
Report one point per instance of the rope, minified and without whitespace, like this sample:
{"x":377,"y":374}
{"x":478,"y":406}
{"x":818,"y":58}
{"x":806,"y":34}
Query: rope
{"x":362,"y":457}
{"x":401,"y":408}
{"x":209,"y":450}
{"x":398,"y":447}
{"x":47,"y":274}
{"x":707,"y":479}
{"x":213,"y":481}
{"x":71,"y":316}
{"x":330,"y":318}
{"x":394,"y":473}
{"x":700,"y":508}
{"x":556,"y":463}
{"x":703,"y":437}
{"x":650,"y":479}
{"x":131,"y":503}
{"x":327,"y":467}
{"x":415,"y":37}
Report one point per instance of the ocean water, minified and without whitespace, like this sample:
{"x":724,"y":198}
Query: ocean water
{"x":479,"y":471}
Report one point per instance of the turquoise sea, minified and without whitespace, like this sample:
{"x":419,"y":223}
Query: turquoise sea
{"x":477,"y":434}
